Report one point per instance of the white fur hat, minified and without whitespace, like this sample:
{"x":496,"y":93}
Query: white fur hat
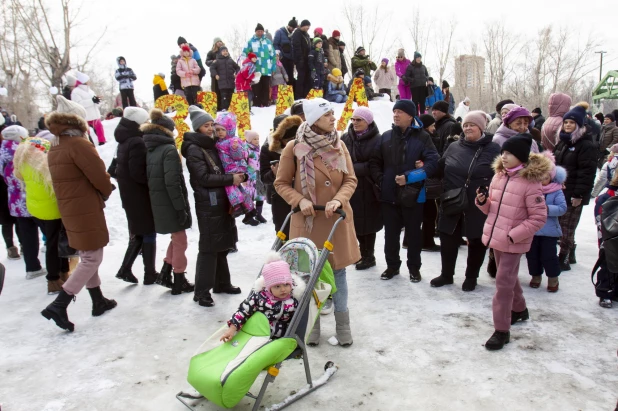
{"x":15,"y":133}
{"x":136,"y":114}
{"x":70,"y":107}
{"x":70,"y":80}
{"x":315,"y":108}
{"x":83,"y":78}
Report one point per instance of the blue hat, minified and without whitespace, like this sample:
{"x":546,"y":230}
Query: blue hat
{"x":577,"y":114}
{"x":407,"y":106}
{"x":417,"y":55}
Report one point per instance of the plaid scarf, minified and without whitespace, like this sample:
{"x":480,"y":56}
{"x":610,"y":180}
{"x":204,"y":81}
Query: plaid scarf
{"x":310,"y":145}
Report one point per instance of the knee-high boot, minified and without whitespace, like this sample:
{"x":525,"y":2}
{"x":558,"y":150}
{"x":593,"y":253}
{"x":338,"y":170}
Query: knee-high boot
{"x":125,"y":273}
{"x":149,"y":256}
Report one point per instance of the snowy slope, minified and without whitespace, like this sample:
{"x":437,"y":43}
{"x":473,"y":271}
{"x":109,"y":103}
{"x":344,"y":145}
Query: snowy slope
{"x":415,"y":347}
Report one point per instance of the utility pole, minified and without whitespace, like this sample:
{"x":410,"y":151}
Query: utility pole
{"x":601,"y":67}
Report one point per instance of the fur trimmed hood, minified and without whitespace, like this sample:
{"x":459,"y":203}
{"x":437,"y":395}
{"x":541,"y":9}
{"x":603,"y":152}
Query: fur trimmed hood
{"x":297,"y":290}
{"x":149,"y":128}
{"x":285,"y":131}
{"x":535,"y":169}
{"x":58,"y":123}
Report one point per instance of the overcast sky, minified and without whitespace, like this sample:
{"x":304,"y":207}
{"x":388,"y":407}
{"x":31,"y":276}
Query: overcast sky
{"x":145,"y":32}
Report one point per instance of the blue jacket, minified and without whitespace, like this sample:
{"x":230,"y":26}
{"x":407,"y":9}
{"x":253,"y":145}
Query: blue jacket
{"x":396,"y":154}
{"x":436,"y":96}
{"x":556,"y":207}
{"x":414,"y":177}
{"x":334,"y":89}
{"x":283,"y":43}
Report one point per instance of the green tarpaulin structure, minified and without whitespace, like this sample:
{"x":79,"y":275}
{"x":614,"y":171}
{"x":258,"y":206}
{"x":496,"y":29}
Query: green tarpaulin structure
{"x":607,"y":88}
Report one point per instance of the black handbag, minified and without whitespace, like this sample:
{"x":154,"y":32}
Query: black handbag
{"x":408,"y":194}
{"x":455,"y":201}
{"x":64,"y":249}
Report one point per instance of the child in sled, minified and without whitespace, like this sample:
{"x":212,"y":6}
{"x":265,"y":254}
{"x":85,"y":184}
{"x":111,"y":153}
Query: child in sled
{"x":275,"y":294}
{"x":234,"y":157}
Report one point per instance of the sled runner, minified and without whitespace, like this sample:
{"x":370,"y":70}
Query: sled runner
{"x":224,"y":375}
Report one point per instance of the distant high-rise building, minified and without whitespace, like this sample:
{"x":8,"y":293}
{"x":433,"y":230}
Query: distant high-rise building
{"x":470,"y":72}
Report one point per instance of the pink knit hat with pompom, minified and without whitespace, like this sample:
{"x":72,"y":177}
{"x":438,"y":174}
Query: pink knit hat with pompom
{"x":276,"y":271}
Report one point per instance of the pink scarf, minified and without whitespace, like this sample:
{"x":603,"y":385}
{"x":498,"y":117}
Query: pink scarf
{"x":551,"y":188}
{"x":516,"y":169}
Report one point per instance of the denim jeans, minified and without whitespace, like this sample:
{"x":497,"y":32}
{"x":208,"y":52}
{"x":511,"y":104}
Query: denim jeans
{"x":340,"y":298}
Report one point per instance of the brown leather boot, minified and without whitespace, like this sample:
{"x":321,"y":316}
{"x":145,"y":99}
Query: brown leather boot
{"x":553,"y":284}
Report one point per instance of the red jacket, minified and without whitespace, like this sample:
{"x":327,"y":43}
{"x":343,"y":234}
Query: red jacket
{"x":245,"y":75}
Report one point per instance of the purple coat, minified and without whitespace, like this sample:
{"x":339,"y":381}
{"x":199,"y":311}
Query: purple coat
{"x":16,"y":192}
{"x":400,"y":69}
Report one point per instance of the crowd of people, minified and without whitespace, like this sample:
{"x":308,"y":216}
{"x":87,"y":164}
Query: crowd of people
{"x":502,"y":186}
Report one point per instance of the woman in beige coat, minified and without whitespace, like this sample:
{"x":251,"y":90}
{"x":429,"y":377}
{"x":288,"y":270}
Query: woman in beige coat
{"x":316,"y":169}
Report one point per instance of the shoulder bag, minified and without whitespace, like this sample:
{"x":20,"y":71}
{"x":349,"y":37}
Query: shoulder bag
{"x":455,"y":201}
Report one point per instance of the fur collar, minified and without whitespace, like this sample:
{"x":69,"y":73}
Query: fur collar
{"x":538,"y":165}
{"x":297,"y":290}
{"x":149,"y":128}
{"x":334,"y":79}
{"x":57,"y":123}
{"x":275,"y":140}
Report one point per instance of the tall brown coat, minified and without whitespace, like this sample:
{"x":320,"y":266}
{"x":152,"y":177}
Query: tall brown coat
{"x":333,"y":56}
{"x":330,"y":185}
{"x":80,"y":182}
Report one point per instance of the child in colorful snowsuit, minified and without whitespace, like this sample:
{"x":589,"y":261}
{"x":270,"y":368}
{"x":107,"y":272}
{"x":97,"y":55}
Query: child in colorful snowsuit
{"x":234,"y":158}
{"x":516,"y":210}
{"x":316,"y":63}
{"x":245,"y":77}
{"x":279,"y":78}
{"x":275,"y":294}
{"x":258,"y":190}
{"x":607,"y":172}
{"x":543,"y":254}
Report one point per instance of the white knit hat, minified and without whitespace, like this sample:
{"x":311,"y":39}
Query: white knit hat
{"x":70,"y":80}
{"x":315,"y":108}
{"x":70,"y":107}
{"x":15,"y":133}
{"x":83,"y":78}
{"x":136,"y":114}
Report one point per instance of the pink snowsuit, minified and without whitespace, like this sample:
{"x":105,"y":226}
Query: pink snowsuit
{"x":400,"y":69}
{"x":515,"y":211}
{"x":234,"y":158}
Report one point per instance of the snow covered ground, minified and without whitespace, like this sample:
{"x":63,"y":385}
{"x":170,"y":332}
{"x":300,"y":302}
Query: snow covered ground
{"x":415,"y":347}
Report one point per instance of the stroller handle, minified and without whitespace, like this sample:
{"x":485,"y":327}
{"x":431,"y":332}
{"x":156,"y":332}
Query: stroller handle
{"x":322,"y":208}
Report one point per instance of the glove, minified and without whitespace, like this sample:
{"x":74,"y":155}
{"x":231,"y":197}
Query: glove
{"x":182,"y":217}
{"x":96,"y":100}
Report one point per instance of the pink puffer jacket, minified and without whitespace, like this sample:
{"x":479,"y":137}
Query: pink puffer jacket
{"x":516,"y":207}
{"x":559,"y":105}
{"x":188,"y":71}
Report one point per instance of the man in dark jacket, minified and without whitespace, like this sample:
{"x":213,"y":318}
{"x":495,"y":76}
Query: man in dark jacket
{"x":404,"y":157}
{"x":125,"y":77}
{"x":283,"y":43}
{"x":168,"y":197}
{"x":344,"y":65}
{"x":362,"y":61}
{"x":539,"y":120}
{"x":217,"y":227}
{"x":301,"y":46}
{"x":444,"y":125}
{"x":224,"y":70}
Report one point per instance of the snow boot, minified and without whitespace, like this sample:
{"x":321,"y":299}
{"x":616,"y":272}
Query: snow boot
{"x":54,"y":286}
{"x":226,"y":289}
{"x":536,"y":281}
{"x":492,"y":269}
{"x":133,"y":249}
{"x":519,"y":316}
{"x":250,"y":220}
{"x":149,"y":257}
{"x":165,"y":276}
{"x":181,"y":284}
{"x":57,"y":311}
{"x":259,"y":206}
{"x":342,"y":328}
{"x":442,"y":280}
{"x":606,"y":302}
{"x":469,"y":284}
{"x":34,"y":274}
{"x":498,"y":340}
{"x":328,"y":306}
{"x":13,"y":253}
{"x":415,"y":275}
{"x":204,"y":299}
{"x":366,"y":262}
{"x":564,"y":261}
{"x":389,"y":273}
{"x":572,"y":259}
{"x":314,"y":337}
{"x":553,"y":284}
{"x":100,"y":304}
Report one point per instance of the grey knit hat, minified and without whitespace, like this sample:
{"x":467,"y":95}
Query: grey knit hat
{"x":198,"y":117}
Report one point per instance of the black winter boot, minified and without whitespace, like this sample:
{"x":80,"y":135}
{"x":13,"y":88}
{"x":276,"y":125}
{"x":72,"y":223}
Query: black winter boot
{"x":519,"y":316}
{"x":149,"y":256}
{"x":165,"y":276}
{"x":389,"y":273}
{"x":564,"y":261}
{"x":57,"y":311}
{"x":100,"y":304}
{"x":259,"y":206}
{"x":226,"y":289}
{"x":498,"y":340}
{"x":572,"y":259}
{"x":135,"y":246}
{"x":441,"y":281}
{"x":469,"y":284}
{"x":250,"y":220}
{"x":366,"y":262}
{"x":181,"y":284}
{"x":415,"y":275}
{"x":492,"y":269}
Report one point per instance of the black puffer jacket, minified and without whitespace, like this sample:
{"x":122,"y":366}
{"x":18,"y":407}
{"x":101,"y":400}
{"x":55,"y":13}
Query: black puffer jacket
{"x":444,"y":129}
{"x":365,"y":201}
{"x":132,"y":178}
{"x":225,"y":68}
{"x":580,"y":161}
{"x":453,"y":168}
{"x":212,"y":207}
{"x":166,"y":183}
{"x":416,"y":75}
{"x":301,"y":45}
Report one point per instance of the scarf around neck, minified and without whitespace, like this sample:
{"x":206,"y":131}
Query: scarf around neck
{"x":310,"y":145}
{"x":515,"y":169}
{"x":551,"y":188}
{"x":571,"y":137}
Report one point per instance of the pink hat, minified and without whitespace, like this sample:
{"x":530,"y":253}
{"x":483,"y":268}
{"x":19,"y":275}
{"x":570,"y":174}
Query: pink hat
{"x":250,"y":134}
{"x":318,"y":30}
{"x":477,"y":118}
{"x":550,"y":156}
{"x":275,"y":272}
{"x":364,"y":113}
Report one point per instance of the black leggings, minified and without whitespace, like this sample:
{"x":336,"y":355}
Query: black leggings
{"x":430,"y":213}
{"x":367,"y":244}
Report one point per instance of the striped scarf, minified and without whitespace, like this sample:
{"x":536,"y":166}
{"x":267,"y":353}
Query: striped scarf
{"x":310,"y":145}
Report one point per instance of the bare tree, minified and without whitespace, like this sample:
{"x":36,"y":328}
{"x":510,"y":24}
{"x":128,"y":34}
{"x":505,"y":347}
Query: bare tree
{"x":420,"y":31}
{"x":443,"y":41}
{"x":236,"y":40}
{"x":499,"y":45}
{"x":369,"y":28}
